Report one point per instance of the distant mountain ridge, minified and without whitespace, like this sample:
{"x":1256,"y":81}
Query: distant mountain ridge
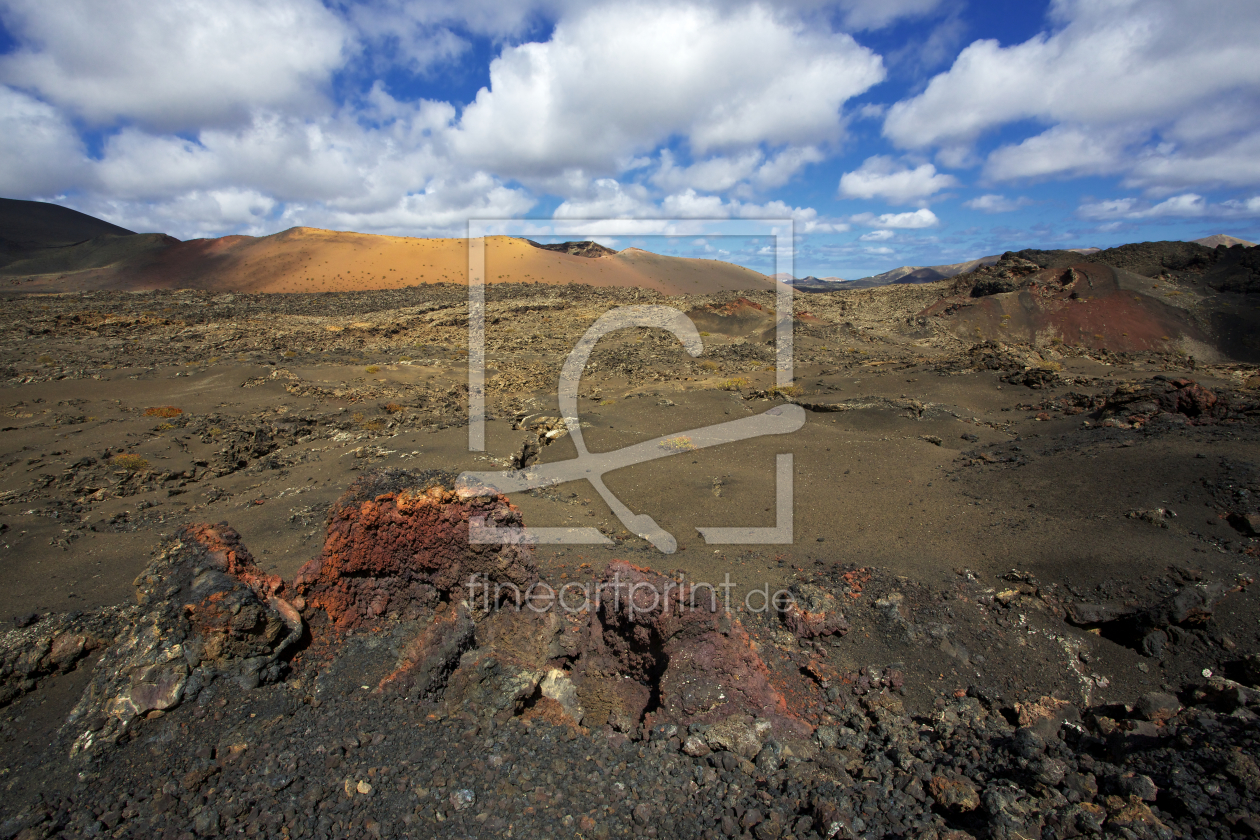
{"x":909,"y":274}
{"x":48,"y":248}
{"x":811,"y":283}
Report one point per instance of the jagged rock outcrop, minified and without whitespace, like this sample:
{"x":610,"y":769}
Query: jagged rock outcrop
{"x":205,"y":611}
{"x":585,"y":248}
{"x":1007,"y":275}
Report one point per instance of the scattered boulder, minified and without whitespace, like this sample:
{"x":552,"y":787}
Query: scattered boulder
{"x":1045,"y":716}
{"x":1157,"y":516}
{"x":1144,"y":629}
{"x":813,"y":612}
{"x":1165,"y":398}
{"x":1245,"y":523}
{"x":1158,"y":706}
{"x":954,"y":793}
{"x":736,"y":734}
{"x":1035,"y":378}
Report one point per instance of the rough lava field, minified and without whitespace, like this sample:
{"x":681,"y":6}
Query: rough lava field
{"x":1025,"y":536}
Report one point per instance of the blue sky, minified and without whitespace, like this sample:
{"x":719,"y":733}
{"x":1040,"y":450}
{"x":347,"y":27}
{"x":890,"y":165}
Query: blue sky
{"x":892,"y":132}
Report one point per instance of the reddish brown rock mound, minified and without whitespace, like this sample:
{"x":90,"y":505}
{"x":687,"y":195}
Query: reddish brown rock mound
{"x":397,"y":541}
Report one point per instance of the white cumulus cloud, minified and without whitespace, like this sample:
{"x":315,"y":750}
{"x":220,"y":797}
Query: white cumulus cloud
{"x":40,"y":152}
{"x":1184,"y":206}
{"x":620,"y":204}
{"x":1169,"y":167}
{"x":880,"y":177}
{"x":921,"y":218}
{"x":1062,"y":150}
{"x":1117,"y":82}
{"x":749,"y":169}
{"x":614,"y":82}
{"x":876,"y":14}
{"x":174,"y":64}
{"x":994,"y":203}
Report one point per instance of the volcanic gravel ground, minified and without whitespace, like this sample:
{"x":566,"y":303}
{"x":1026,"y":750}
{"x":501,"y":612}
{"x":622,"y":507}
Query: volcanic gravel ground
{"x":998,"y":522}
{"x":273,"y":763}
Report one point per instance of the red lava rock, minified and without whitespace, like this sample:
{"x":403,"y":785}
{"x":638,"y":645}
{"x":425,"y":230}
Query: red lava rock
{"x":855,"y":580}
{"x":1045,"y":715}
{"x":829,"y":820}
{"x":393,"y":544}
{"x":550,"y":711}
{"x":228,"y":554}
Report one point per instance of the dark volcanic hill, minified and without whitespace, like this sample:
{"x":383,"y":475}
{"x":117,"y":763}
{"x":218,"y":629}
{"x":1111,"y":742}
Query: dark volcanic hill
{"x":37,"y":224}
{"x":31,"y":230}
{"x":585,"y":248}
{"x":1233,"y":268}
{"x":1147,"y":296}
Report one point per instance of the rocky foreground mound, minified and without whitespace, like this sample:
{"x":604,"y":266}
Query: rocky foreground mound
{"x":409,"y":684}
